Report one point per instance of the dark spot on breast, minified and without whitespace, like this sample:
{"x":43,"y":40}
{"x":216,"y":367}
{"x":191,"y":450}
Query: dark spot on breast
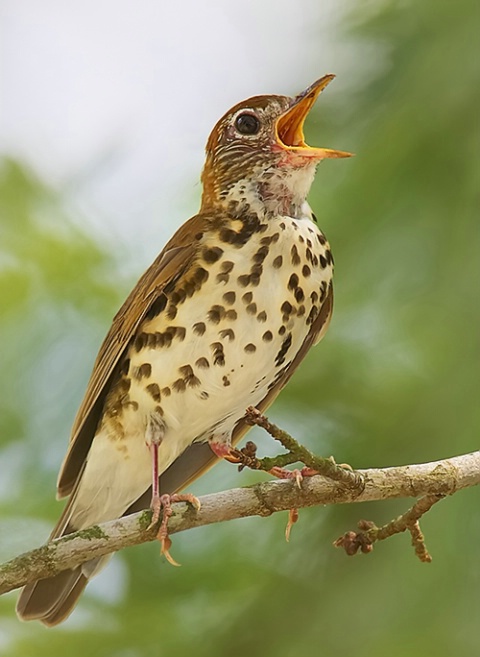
{"x":312,"y":315}
{"x":226,"y":381}
{"x":243,"y":280}
{"x":157,"y":307}
{"x":299,"y":294}
{"x":162,"y":339}
{"x":225,"y":269}
{"x":200,"y":277}
{"x":159,"y":411}
{"x":204,"y":395}
{"x":309,"y":243}
{"x":140,"y":341}
{"x":286,"y":308}
{"x":293,"y":282}
{"x":142,"y":372}
{"x":231,"y":314}
{"x":166,"y":392}
{"x":179,"y":385}
{"x":260,"y":255}
{"x":323,"y":262}
{"x":216,"y":314}
{"x":180,"y":332}
{"x":306,"y":271}
{"x":249,"y":348}
{"x":301,"y":310}
{"x":227,"y":334}
{"x":282,"y":330}
{"x":188,"y":376}
{"x":154,"y":391}
{"x":171,"y":311}
{"x":286,"y":344}
{"x":202,"y":363}
{"x":223,"y":278}
{"x":229,"y":297}
{"x":301,"y":239}
{"x":282,"y":226}
{"x":211,"y":255}
{"x":178,"y":296}
{"x":323,"y":291}
{"x":314,"y":296}
{"x":295,"y":256}
{"x":267,"y":336}
{"x":329,"y":256}
{"x":124,"y":385}
{"x":218,"y":354}
{"x":125,"y":366}
{"x":314,"y":218}
{"x":277,"y":262}
{"x":228,"y":235}
{"x":322,"y":239}
{"x":199,"y":328}
{"x":247,"y":297}
{"x":262,"y":316}
{"x":252,"y":308}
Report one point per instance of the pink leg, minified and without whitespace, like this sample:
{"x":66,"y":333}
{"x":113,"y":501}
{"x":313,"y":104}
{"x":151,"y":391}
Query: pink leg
{"x":164,"y":502}
{"x":155,"y":503}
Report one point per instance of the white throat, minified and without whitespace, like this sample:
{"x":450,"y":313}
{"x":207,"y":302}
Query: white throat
{"x":274,"y":191}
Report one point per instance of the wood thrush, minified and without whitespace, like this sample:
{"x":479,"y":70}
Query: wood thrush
{"x":218,"y":323}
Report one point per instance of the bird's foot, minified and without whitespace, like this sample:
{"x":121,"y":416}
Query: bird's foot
{"x":298,"y":475}
{"x":224,"y":450}
{"x":163,"y":504}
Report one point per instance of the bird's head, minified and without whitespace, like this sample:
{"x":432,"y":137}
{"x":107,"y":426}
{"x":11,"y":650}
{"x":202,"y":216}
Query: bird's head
{"x":257,"y":155}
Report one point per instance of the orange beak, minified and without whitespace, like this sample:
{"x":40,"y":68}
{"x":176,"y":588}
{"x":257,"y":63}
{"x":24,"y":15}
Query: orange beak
{"x":289,"y":128}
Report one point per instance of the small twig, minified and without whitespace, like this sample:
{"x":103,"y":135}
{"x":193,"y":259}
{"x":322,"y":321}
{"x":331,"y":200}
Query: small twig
{"x":297,"y":453}
{"x":369,"y":533}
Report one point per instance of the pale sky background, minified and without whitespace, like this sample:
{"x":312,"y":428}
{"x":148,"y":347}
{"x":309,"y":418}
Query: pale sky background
{"x":111,"y":101}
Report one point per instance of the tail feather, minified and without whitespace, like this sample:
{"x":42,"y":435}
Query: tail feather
{"x":51,"y":600}
{"x":45,"y":599}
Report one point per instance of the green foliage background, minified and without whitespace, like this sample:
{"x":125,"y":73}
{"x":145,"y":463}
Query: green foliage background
{"x":395,"y":381}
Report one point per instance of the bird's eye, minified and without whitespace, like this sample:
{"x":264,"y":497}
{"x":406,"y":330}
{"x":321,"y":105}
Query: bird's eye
{"x":247,"y":124}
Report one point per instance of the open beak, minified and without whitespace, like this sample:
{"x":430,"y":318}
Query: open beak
{"x":289,"y":128}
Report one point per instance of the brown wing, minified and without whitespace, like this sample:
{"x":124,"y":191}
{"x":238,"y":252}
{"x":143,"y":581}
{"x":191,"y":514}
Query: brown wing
{"x":175,"y":258}
{"x":198,"y":458}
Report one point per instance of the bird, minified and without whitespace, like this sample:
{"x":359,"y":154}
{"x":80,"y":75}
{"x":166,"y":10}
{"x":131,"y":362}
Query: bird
{"x":218,"y":323}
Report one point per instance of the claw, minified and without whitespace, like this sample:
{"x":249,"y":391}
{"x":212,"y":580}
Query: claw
{"x":292,"y":519}
{"x":164,"y":503}
{"x":224,"y":450}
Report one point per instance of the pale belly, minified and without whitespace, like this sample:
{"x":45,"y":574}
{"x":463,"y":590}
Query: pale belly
{"x":201,"y":362}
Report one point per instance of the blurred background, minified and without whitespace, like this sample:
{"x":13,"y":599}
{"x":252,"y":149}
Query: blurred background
{"x":105,"y":109}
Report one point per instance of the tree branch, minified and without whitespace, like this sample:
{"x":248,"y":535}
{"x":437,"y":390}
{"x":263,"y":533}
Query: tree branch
{"x":437,"y":479}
